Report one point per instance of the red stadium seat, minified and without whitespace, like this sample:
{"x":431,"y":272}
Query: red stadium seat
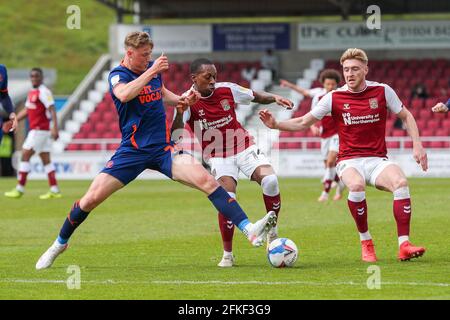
{"x":108,"y":135}
{"x":399,"y":133}
{"x":313,"y":145}
{"x":299,"y":134}
{"x":427,"y":133}
{"x":424,"y":114}
{"x":417,"y":103}
{"x":109,"y":117}
{"x":430,"y":102}
{"x":90,"y":147}
{"x":436,"y":144}
{"x":293,"y":145}
{"x":100,"y":127}
{"x":73,"y":147}
{"x":112,"y":146}
{"x":442,"y":132}
{"x":393,"y":144}
{"x":433,"y":124}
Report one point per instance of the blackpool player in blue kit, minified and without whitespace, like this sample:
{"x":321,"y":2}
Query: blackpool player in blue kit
{"x":138,"y":94}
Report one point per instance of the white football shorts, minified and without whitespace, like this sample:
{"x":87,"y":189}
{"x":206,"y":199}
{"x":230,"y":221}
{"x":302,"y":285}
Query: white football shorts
{"x":38,"y":140}
{"x":246,"y":161}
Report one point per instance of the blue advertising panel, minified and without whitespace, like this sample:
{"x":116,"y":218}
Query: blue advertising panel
{"x":251,"y":37}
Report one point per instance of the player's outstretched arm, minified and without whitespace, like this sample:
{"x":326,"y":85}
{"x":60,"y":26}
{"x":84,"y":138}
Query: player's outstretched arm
{"x":54,"y":130}
{"x":294,"y":124}
{"x":419,"y":152}
{"x":441,"y":108}
{"x":22,"y":114}
{"x":290,"y":85}
{"x":129,"y":91}
{"x":267,"y":98}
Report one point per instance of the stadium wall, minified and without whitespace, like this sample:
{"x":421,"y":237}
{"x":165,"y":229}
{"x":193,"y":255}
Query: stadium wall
{"x":86,"y":165}
{"x":436,"y":44}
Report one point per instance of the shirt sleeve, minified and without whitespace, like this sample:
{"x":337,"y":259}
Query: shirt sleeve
{"x":314,"y":92}
{"x":393,"y":101}
{"x":187,"y":115}
{"x":116,"y":77}
{"x":323,"y":107}
{"x":46,"y":97}
{"x":241,"y":95}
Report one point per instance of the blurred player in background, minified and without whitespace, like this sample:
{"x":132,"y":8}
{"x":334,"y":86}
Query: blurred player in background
{"x":138,"y":93}
{"x":360,"y":110}
{"x":40,"y":110}
{"x":6,"y":104}
{"x":441,"y":107}
{"x":233,"y":149}
{"x":327,"y":130}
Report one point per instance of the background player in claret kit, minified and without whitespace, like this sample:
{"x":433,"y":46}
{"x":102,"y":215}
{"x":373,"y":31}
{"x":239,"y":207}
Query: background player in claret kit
{"x":360,"y":109}
{"x":6,"y":104}
{"x":232,"y":149}
{"x":138,"y":93}
{"x":40,"y":109}
{"x":327,"y":130}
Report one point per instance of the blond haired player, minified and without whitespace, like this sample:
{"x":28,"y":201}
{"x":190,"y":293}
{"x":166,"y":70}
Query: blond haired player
{"x":360,"y":110}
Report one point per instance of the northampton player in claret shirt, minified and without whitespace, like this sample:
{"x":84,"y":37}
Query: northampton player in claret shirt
{"x":138,"y":93}
{"x":360,"y":109}
{"x":41,"y":113}
{"x":227,"y":147}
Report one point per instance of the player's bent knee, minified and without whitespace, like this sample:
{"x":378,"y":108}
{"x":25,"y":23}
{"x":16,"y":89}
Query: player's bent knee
{"x":356,"y":187}
{"x":269,"y":184}
{"x":400,"y":183}
{"x":208,"y":184}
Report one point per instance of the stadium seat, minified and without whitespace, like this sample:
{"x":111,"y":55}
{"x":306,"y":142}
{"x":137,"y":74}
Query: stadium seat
{"x":313,"y":145}
{"x":417,"y":103}
{"x":73,"y":147}
{"x":392,"y":144}
{"x":399,"y":133}
{"x":293,"y":145}
{"x":442,"y":132}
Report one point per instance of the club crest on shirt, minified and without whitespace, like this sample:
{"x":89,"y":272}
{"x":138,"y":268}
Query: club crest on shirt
{"x":346,"y":106}
{"x":225,"y":104}
{"x":373,"y":103}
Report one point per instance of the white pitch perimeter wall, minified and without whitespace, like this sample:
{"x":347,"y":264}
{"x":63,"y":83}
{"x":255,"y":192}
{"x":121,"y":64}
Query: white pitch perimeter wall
{"x":86,"y":165}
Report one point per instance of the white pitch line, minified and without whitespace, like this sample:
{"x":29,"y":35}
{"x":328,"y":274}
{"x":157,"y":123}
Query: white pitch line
{"x":219,"y":282}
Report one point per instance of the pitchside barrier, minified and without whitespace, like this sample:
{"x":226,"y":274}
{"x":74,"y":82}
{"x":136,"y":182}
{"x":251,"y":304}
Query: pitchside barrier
{"x":300,"y":162}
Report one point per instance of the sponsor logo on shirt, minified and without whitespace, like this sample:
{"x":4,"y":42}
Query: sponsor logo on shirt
{"x":363,"y":119}
{"x":148,"y":95}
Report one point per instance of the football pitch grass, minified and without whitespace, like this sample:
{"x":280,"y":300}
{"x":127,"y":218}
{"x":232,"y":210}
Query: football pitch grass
{"x":160,"y":240}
